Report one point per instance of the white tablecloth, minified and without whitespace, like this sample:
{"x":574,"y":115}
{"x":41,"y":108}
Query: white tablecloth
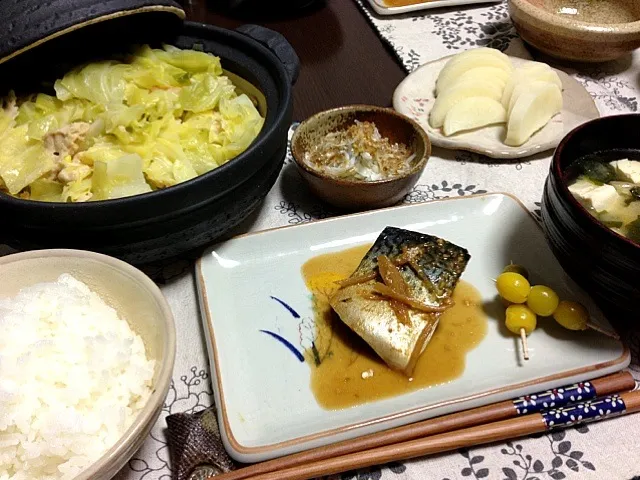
{"x":607,"y":450}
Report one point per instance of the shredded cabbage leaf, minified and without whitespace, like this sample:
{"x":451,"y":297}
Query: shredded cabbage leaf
{"x":123,"y":127}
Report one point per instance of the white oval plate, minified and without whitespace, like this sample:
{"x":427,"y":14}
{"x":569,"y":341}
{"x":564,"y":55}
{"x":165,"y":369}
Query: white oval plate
{"x":414,"y":97}
{"x":265,"y":405}
{"x":382,"y":8}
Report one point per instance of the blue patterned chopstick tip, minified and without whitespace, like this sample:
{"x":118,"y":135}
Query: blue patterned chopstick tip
{"x":555,"y":398}
{"x":584,"y":412}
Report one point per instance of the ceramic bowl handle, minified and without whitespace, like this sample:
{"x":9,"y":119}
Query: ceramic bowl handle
{"x":279,"y":45}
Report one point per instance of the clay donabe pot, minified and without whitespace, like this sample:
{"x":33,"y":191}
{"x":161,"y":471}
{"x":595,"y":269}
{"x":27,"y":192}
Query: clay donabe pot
{"x":42,"y":40}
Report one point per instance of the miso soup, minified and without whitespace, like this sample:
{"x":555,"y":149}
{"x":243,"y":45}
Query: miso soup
{"x":610,"y":191}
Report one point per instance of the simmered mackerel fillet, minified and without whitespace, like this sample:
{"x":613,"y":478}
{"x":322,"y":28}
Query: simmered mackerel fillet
{"x":396,"y":295}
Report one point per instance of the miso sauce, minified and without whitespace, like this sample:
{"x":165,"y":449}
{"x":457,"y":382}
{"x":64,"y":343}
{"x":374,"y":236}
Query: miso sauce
{"x":345,"y":371}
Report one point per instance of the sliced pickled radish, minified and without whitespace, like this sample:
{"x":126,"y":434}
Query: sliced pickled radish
{"x":473,"y":112}
{"x":525,"y":87}
{"x":458,"y":93}
{"x":495,"y":75}
{"x":532,"y":111}
{"x":538,"y":72}
{"x":461,"y":64}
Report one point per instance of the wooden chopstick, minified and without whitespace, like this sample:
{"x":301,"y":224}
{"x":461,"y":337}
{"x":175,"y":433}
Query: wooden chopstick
{"x":606,"y":385}
{"x":613,"y":405}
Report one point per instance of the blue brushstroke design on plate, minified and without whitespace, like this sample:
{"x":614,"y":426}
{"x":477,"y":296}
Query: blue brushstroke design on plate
{"x":285,"y":305}
{"x":286,"y":343}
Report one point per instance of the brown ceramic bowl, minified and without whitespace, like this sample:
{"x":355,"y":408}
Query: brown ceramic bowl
{"x":356,"y":194}
{"x":605,"y":264}
{"x":588,"y":31}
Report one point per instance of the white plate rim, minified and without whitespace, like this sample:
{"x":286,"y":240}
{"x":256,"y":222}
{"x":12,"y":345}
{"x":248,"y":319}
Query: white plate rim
{"x":381,"y":9}
{"x":505,"y":152}
{"x":207,"y":321}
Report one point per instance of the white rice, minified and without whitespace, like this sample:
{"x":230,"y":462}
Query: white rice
{"x":73,"y":376}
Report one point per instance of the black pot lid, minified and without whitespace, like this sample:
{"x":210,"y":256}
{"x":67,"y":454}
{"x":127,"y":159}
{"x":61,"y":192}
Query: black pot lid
{"x":29,"y":25}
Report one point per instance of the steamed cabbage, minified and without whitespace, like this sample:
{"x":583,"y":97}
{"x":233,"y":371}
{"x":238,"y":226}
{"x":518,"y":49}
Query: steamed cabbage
{"x":123,"y":127}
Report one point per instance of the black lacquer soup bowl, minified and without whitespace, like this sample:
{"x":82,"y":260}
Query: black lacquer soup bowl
{"x":604,"y":263}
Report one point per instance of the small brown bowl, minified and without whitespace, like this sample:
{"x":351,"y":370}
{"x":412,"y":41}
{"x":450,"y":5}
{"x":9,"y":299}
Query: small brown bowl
{"x":360,"y":194}
{"x":596,"y":31}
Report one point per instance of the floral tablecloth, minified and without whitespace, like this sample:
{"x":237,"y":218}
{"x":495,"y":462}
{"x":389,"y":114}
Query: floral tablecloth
{"x":607,"y":450}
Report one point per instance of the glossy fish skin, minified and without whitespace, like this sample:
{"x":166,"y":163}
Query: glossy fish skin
{"x":440,"y":264}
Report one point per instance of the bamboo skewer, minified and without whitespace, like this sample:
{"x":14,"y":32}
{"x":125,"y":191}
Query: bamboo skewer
{"x":599,"y":329}
{"x":606,"y":385}
{"x":525,"y":347}
{"x":626,"y":403}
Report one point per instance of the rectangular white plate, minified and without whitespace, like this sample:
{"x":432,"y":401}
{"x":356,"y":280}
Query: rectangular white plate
{"x":265,"y":405}
{"x":383,"y":9}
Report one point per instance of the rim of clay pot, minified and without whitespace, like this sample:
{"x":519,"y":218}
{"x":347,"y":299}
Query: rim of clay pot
{"x":110,"y":13}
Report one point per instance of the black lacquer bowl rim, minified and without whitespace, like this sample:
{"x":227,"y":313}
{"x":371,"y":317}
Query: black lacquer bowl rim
{"x":558,"y":169}
{"x":273,"y":123}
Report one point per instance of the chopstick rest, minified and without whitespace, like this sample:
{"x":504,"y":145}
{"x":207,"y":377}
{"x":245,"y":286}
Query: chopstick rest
{"x":196,"y":448}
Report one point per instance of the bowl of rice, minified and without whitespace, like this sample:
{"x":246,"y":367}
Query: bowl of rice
{"x":87,"y":347}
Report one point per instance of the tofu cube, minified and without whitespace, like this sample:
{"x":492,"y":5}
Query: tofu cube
{"x":629,"y":170}
{"x":598,"y":197}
